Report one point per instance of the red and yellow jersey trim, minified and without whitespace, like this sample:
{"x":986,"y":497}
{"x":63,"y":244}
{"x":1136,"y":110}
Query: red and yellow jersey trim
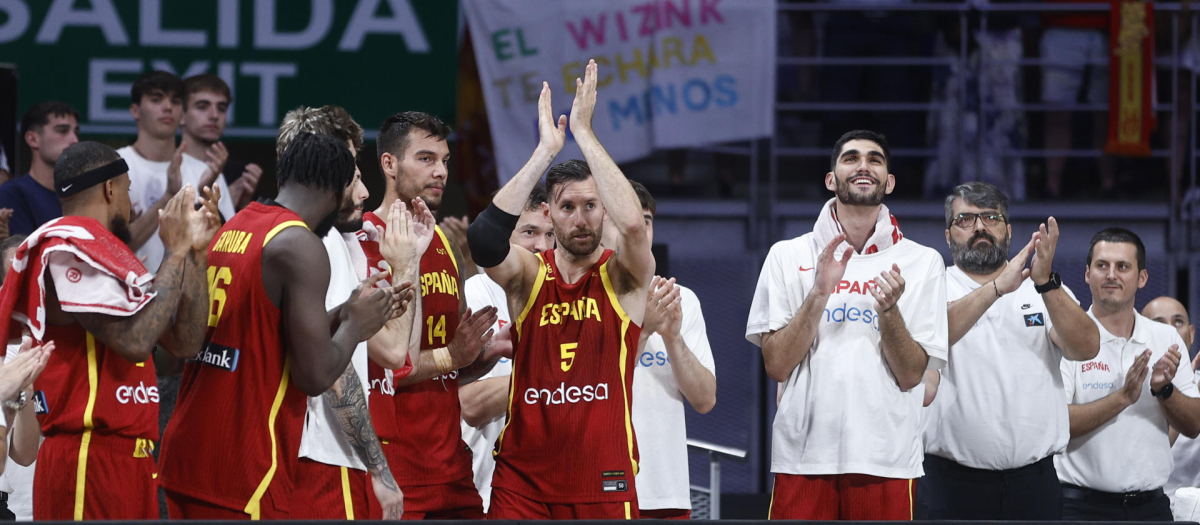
{"x":512,"y":384}
{"x":625,"y":322}
{"x":88,"y":424}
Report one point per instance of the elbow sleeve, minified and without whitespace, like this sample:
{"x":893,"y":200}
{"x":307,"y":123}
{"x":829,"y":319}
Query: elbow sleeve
{"x":488,"y":236}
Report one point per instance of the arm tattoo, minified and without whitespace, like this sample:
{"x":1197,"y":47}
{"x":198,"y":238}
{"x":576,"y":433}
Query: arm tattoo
{"x":349,"y":404}
{"x":132,"y":336}
{"x":191,"y":321}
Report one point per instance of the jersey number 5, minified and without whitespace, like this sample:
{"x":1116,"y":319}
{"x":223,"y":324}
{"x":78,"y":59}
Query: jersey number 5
{"x":218,"y":280}
{"x":568,"y":356}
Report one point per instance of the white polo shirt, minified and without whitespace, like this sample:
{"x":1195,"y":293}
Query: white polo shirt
{"x":841,"y":411}
{"x":1186,"y":453}
{"x":658,"y":413}
{"x":991,"y":411}
{"x":148,"y":183}
{"x":481,"y":292}
{"x":323,"y":440}
{"x":1130,"y":452}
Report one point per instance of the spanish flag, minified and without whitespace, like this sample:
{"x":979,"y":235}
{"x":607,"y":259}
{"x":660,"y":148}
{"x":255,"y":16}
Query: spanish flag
{"x":1131,"y":68}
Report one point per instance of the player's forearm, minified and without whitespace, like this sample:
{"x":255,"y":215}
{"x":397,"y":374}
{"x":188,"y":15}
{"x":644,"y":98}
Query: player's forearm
{"x":964,"y":313}
{"x":348,"y":402}
{"x":1076,"y":331}
{"x":424,"y":369}
{"x":394,"y":345}
{"x":191,"y":321}
{"x":785,"y":349}
{"x":512,"y":197}
{"x":695,"y":382}
{"x":1089,"y":416}
{"x":617,"y":195}
{"x":134,"y":337}
{"x":478,"y":369}
{"x":905,"y":357}
{"x":1183,"y":414}
{"x":483,"y":401}
{"x":26,"y":433}
{"x":144,"y":227}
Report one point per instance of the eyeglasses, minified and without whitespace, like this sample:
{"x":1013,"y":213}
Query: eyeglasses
{"x":967,"y":220}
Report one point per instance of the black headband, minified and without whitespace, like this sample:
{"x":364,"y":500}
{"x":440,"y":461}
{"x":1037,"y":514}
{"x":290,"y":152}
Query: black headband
{"x":91,"y":178}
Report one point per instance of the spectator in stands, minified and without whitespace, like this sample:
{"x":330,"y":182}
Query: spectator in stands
{"x":1075,"y":51}
{"x":47,"y":128}
{"x":1119,"y":456}
{"x":204,"y":117}
{"x":989,"y":450}
{"x":1186,"y":451}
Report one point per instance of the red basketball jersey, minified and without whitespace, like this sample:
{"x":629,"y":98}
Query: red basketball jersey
{"x":234,"y":438}
{"x":569,"y":437}
{"x":422,"y":419}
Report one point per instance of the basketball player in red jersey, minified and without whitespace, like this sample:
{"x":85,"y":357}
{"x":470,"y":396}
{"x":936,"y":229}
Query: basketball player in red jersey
{"x":270,"y":344}
{"x":424,"y":445}
{"x":97,"y":400}
{"x":580,"y":308}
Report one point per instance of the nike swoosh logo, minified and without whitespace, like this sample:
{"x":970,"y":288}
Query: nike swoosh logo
{"x":67,"y":187}
{"x":803,"y":269}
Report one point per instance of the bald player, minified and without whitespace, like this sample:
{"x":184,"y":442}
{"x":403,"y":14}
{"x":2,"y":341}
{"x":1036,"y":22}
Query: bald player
{"x":76,"y":282}
{"x":581,"y":308}
{"x":1185,"y":450}
{"x":270,"y":344}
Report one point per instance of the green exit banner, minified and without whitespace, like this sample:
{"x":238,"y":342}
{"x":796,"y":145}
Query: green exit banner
{"x":373,"y":57}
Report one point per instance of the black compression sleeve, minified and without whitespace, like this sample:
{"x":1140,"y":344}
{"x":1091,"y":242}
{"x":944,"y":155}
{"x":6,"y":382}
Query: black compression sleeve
{"x":488,"y":236}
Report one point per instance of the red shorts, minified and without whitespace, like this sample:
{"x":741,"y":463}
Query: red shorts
{"x":95,"y":477}
{"x":180,"y":507}
{"x":457,"y":500}
{"x":328,"y":492}
{"x":665,"y":514}
{"x":841,"y":497}
{"x":508,"y":505}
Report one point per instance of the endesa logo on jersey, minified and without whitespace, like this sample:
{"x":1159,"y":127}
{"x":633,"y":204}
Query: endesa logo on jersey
{"x":659,"y":358}
{"x":567,"y":394}
{"x":845,"y":313}
{"x":138,"y":395}
{"x":220,"y":356}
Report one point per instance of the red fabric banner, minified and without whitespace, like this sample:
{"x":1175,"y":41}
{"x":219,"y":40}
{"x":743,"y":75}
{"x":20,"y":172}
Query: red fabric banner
{"x":1131,"y":116}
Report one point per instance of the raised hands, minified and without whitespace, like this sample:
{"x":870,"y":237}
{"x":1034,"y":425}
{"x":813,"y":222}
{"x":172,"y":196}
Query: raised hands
{"x":174,"y":176}
{"x":207,"y":220}
{"x":1045,"y":240}
{"x":371,"y":307}
{"x":242,"y":190}
{"x":1135,"y":377}
{"x":889,"y":286}
{"x":17,"y":374}
{"x":585,"y":101}
{"x":474,"y":331}
{"x":1164,"y":369}
{"x":829,"y":269}
{"x":1016,"y":272}
{"x":662,"y":296}
{"x":401,"y":246}
{"x":175,"y":221}
{"x":215,"y":158}
{"x":552,"y":136}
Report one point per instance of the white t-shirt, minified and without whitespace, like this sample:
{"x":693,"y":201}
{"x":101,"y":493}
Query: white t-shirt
{"x":1130,"y":452}
{"x":658,"y":414}
{"x":991,"y":410}
{"x":1186,"y":453}
{"x":323,"y":440}
{"x":481,"y":292}
{"x":16,"y":480}
{"x":841,"y":411}
{"x":148,"y":183}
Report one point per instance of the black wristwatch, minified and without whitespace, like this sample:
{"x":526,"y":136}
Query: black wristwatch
{"x":1054,"y":283}
{"x":1164,"y":392}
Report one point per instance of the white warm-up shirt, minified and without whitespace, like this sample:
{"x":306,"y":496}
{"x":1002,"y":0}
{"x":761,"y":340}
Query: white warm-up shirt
{"x":148,"y":183}
{"x":481,"y":292}
{"x":16,"y":480}
{"x":1130,"y":452}
{"x":323,"y":440}
{"x":992,"y":411}
{"x":658,"y":413}
{"x":1186,"y":453}
{"x":841,"y":411}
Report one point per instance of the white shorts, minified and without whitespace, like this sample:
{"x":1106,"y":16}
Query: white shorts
{"x":1067,"y":53}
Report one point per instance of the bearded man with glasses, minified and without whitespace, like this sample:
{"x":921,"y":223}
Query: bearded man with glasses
{"x":995,"y":420}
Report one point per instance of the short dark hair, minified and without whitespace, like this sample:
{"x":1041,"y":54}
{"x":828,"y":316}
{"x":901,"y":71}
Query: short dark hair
{"x":393,"y":134}
{"x":8,"y":245}
{"x":536,"y":198}
{"x":168,"y":84}
{"x":644,"y":197}
{"x":80,"y":157}
{"x":1119,"y":235}
{"x":859,"y":134}
{"x":979,"y":194}
{"x":573,"y":170}
{"x":205,"y":82}
{"x":39,"y":115}
{"x":317,"y":161}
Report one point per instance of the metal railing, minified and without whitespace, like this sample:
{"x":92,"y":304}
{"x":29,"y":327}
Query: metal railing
{"x":712,"y":493}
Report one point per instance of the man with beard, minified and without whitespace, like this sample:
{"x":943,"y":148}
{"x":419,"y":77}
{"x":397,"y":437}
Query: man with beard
{"x":270,"y":344}
{"x":422,"y":439}
{"x":849,"y":317}
{"x":989,"y":457}
{"x":341,"y":459}
{"x":581,"y":310}
{"x":1119,"y":455}
{"x":75,"y":282}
